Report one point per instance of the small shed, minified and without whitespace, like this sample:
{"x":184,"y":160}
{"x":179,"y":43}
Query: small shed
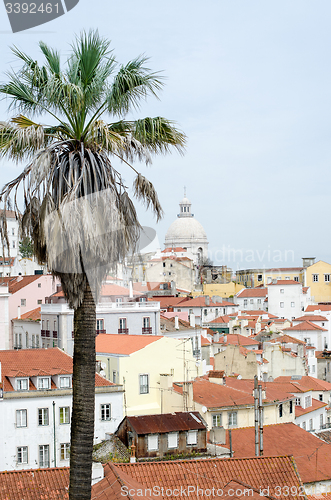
{"x":164,"y":434}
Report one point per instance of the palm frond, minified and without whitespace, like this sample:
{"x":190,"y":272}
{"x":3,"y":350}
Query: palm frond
{"x":52,"y":58}
{"x":159,"y":135}
{"x":132,"y":83}
{"x":145,"y":191}
{"x":21,"y":138}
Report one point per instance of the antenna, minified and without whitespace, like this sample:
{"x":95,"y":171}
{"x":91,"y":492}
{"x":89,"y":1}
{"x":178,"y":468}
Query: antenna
{"x":184,"y":191}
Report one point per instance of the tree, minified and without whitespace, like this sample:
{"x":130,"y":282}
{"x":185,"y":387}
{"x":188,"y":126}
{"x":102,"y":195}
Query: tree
{"x":25,"y":248}
{"x":77,"y":209}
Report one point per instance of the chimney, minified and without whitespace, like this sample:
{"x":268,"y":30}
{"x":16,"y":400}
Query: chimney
{"x":97,"y":472}
{"x":18,"y":312}
{"x":130,"y":289}
{"x":207,"y":300}
{"x":176,"y":323}
{"x":192,"y":320}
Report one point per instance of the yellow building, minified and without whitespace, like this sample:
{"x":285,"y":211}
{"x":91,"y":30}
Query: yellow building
{"x":317,"y":277}
{"x":256,"y":277}
{"x":224,"y":290}
{"x":137,"y":362}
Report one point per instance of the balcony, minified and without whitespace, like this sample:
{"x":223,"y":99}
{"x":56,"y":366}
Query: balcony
{"x":147,"y":330}
{"x":54,"y":335}
{"x":45,"y":333}
{"x":99,"y":331}
{"x":123,"y":330}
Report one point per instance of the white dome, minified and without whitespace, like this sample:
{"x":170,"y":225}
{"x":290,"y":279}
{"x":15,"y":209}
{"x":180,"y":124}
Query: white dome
{"x":185,"y":230}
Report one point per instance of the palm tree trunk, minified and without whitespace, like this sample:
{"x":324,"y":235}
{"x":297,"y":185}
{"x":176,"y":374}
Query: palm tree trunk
{"x":82,"y":422}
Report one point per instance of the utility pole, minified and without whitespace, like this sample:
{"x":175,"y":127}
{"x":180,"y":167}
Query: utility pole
{"x":256,"y":414}
{"x":261,"y":420}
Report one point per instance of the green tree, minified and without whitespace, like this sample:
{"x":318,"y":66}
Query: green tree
{"x":77,"y":209}
{"x":25,"y":248}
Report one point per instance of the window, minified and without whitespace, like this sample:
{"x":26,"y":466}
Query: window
{"x":304,"y":425}
{"x":65,"y":451}
{"x":217,"y":420}
{"x":315,"y":277}
{"x":39,"y":285}
{"x":153,"y":442}
{"x":22,"y":384}
{"x":259,"y":301}
{"x":44,"y":383}
{"x":291,"y":406}
{"x":172,"y":439}
{"x":100,"y":324}
{"x":321,"y":421}
{"x":298,"y":401}
{"x":281,"y":290}
{"x":292,"y":304}
{"x":143,"y":384}
{"x":251,"y":301}
{"x":320,"y":397}
{"x":65,"y":415}
{"x":205,"y":311}
{"x":296,"y":278}
{"x":106,"y":412}
{"x":13,"y":244}
{"x":192,"y":437}
{"x":44,"y":455}
{"x":287,"y":277}
{"x":39,"y":301}
{"x":114,"y":377}
{"x":146,"y":322}
{"x":21,"y":418}
{"x":259,"y":277}
{"x":245,"y":302}
{"x":122,"y":323}
{"x":280,"y":410}
{"x":310,"y":424}
{"x":13,"y":231}
{"x":327,"y":278}
{"x":164,"y":264}
{"x":65,"y":382}
{"x":22,"y":455}
{"x":191,"y":311}
{"x":232,"y":418}
{"x":307,"y":401}
{"x":43,"y":416}
{"x":118,"y":300}
{"x":281,"y":304}
{"x":23,"y":302}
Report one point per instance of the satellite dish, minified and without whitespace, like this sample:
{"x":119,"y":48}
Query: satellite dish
{"x":204,"y":409}
{"x":239,"y":377}
{"x":197,"y":363}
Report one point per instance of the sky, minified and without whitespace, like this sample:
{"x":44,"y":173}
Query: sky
{"x":249,"y":83}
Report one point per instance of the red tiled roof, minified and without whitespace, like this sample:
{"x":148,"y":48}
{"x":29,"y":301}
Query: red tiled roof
{"x":166,"y":422}
{"x":200,"y":301}
{"x":252,"y":292}
{"x":307,"y":382}
{"x":305,"y":325}
{"x":174,"y":250}
{"x":33,"y":315}
{"x":258,"y":472}
{"x":221,"y":319}
{"x":312,"y":456}
{"x":287,"y":339}
{"x":15,"y":283}
{"x":318,"y":307}
{"x":237,"y":339}
{"x":35,"y":484}
{"x":285,"y":282}
{"x":258,"y":312}
{"x":166,"y":302}
{"x":311,"y":317}
{"x":123,"y":344}
{"x":149,"y":285}
{"x":316,"y":405}
{"x":35,"y":362}
{"x":273,"y":391}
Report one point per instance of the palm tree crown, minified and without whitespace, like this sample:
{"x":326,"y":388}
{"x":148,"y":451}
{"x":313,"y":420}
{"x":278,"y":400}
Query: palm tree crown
{"x":76,"y":206}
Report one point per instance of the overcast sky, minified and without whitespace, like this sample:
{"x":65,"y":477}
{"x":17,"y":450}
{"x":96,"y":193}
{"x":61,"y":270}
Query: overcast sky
{"x":249,"y":83}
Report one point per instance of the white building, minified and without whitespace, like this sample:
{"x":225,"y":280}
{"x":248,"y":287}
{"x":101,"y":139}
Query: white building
{"x":35,"y":408}
{"x":287,"y":298}
{"x":205,"y":309}
{"x":186,"y":232}
{"x":252,"y":298}
{"x":112,"y":317}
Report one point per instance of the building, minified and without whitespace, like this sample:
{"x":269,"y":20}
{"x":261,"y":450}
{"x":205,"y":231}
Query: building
{"x":186,"y":232}
{"x":20,"y":295}
{"x":252,"y":298}
{"x":138,"y":362}
{"x":251,"y":278}
{"x":205,"y":309}
{"x":287,"y":298}
{"x":165,"y":434}
{"x":12,"y":232}
{"x":312,"y":456}
{"x":318,"y":278}
{"x":36,"y":408}
{"x":181,"y":270}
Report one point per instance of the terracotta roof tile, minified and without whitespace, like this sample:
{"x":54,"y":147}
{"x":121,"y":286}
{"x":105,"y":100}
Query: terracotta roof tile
{"x":258,"y":472}
{"x":33,"y":315}
{"x":304,"y":326}
{"x":36,"y":484}
{"x":316,"y":405}
{"x":15,"y":283}
{"x":312,"y":456}
{"x":318,"y":307}
{"x":166,"y":422}
{"x":285,"y":282}
{"x":311,"y":317}
{"x":36,"y":362}
{"x":174,"y":250}
{"x":306,"y":382}
{"x":123,"y":344}
{"x":252,"y":292}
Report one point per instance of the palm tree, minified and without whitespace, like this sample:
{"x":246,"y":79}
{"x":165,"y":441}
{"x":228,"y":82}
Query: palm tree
{"x":77,"y":209}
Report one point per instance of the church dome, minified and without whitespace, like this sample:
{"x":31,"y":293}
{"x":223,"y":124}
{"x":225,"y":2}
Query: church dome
{"x":187,"y":232}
